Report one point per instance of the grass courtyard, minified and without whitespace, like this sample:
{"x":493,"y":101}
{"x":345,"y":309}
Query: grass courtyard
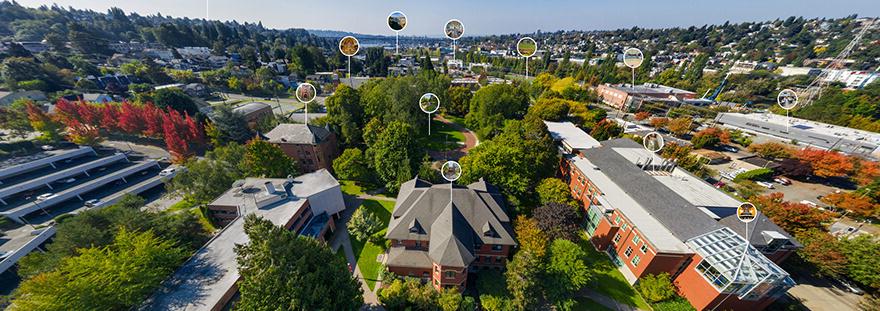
{"x":443,"y":137}
{"x":366,"y":251}
{"x":608,"y":280}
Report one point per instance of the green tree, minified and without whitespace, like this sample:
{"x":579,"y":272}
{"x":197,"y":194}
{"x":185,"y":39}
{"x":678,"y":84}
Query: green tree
{"x":264,"y":159}
{"x":494,"y":104}
{"x":364,"y":224}
{"x":345,"y":114}
{"x":49,"y":128}
{"x":205,"y":179}
{"x":566,"y":273}
{"x":15,"y":117}
{"x":523,"y":280}
{"x":228,"y":126}
{"x":175,"y":98}
{"x":554,"y":190}
{"x":280,"y":269}
{"x":394,"y":155}
{"x":656,"y":287}
{"x":863,"y":256}
{"x":459,"y":101}
{"x":606,"y":129}
{"x":450,"y":300}
{"x":352,"y":165}
{"x":115,"y":277}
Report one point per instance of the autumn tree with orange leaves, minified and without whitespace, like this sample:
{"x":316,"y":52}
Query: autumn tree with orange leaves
{"x":826,"y":163}
{"x":859,"y":205}
{"x":791,"y":216}
{"x":658,"y":122}
{"x":642,"y":115}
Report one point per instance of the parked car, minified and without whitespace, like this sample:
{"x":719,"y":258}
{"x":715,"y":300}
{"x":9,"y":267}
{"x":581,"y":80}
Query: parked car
{"x":93,"y":203}
{"x":765,"y":184}
{"x":729,"y":149}
{"x":808,"y":202}
{"x":45,"y":196}
{"x":782,"y":181}
{"x":67,"y":181}
{"x":850,"y":287}
{"x":168,"y":171}
{"x":47,"y":147}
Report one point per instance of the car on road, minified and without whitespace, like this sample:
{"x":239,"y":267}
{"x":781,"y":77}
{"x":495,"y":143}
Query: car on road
{"x":45,"y":196}
{"x":810,"y":203}
{"x":850,"y":287}
{"x":47,"y":147}
{"x":66,"y":181}
{"x":730,"y":149}
{"x":782,"y":181}
{"x":168,"y":171}
{"x":765,"y":184}
{"x":93,"y":203}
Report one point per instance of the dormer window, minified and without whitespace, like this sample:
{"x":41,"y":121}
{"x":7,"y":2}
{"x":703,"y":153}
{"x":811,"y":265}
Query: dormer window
{"x":415,"y":227}
{"x":488,"y":230}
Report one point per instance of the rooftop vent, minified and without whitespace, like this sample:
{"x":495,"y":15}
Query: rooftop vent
{"x":270,"y":188}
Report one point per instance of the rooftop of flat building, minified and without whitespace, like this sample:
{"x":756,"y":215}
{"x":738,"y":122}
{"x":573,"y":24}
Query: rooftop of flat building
{"x":817,"y":133}
{"x":570,"y":135}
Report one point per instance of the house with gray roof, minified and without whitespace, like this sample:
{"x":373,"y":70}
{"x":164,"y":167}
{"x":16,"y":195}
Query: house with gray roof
{"x":441,"y":232}
{"x":313,"y":147}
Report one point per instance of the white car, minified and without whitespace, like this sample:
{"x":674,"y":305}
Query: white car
{"x":67,"y":181}
{"x":45,"y":196}
{"x":93,"y":203}
{"x":808,"y":202}
{"x":168,"y":171}
{"x":47,"y":147}
{"x":765,"y":184}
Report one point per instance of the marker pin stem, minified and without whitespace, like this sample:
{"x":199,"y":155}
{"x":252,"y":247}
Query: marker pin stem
{"x":527,"y":67}
{"x":429,"y":124}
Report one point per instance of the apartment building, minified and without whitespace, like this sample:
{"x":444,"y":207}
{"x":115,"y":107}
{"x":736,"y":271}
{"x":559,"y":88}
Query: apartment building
{"x":313,"y":147}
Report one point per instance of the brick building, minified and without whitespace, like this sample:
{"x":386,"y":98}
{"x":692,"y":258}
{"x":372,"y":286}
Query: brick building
{"x":312,"y":147}
{"x":625,"y":96}
{"x":439,"y":234}
{"x":208,"y":280}
{"x":650,"y":217}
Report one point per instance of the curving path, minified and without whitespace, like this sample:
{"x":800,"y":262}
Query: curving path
{"x":470,"y":141}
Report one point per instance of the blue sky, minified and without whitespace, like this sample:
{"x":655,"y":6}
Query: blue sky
{"x":482,"y":17}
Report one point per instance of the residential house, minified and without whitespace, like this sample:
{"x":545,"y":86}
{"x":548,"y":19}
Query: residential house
{"x":253,"y":112}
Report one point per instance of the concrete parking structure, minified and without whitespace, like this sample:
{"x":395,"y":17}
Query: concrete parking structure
{"x":47,"y":161}
{"x":47,"y":180}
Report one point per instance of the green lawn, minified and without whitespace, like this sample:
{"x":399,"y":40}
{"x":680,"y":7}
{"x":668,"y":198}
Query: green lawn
{"x":365,"y":251}
{"x":354,"y":188}
{"x":443,"y":137}
{"x":585,"y":304}
{"x":609,"y":281}
{"x":180,"y":205}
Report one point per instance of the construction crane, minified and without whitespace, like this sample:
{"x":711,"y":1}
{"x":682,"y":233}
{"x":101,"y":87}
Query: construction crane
{"x":717,"y":90}
{"x":814,"y":90}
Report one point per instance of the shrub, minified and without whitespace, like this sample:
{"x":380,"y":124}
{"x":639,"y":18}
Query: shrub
{"x":363,"y":224}
{"x":656,"y":288}
{"x":677,"y":304}
{"x":755,"y":174}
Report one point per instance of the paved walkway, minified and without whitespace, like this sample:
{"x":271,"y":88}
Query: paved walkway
{"x":343,"y":240}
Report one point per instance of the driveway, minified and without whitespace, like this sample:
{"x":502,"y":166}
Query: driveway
{"x":818,"y":294}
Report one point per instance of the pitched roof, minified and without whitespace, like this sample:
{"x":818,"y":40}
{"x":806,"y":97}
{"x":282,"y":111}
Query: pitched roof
{"x":424,"y":212}
{"x":297,"y":134}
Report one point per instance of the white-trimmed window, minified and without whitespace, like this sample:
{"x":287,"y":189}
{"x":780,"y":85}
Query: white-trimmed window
{"x":636,"y":239}
{"x":623,"y":227}
{"x":628,"y":252}
{"x":636,"y":260}
{"x":616,"y":238}
{"x":644,"y":248}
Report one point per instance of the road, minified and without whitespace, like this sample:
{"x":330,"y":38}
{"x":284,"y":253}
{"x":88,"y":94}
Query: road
{"x":818,"y":294}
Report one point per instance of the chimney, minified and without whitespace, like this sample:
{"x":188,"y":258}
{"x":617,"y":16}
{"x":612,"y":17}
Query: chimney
{"x":270,"y":188}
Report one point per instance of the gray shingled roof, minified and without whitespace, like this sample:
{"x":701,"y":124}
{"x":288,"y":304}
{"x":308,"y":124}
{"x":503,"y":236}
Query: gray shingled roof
{"x":297,"y":134}
{"x":452,"y":229}
{"x":683,"y":219}
{"x":250,"y":107}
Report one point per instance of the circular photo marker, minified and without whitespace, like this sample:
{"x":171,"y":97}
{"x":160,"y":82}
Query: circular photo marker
{"x":397,"y":21}
{"x":526,"y":47}
{"x":746,"y":212}
{"x":454,"y":29}
{"x":429,"y":103}
{"x":633,"y":57}
{"x":653,"y":142}
{"x":305,"y":92}
{"x":451,"y":170}
{"x":787,"y":99}
{"x":349,"y":46}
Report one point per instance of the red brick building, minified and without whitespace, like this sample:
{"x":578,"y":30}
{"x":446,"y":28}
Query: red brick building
{"x":651,"y":217}
{"x":312,"y":147}
{"x":625,"y":96}
{"x":440,"y":234}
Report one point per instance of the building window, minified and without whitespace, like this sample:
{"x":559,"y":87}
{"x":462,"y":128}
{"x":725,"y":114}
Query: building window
{"x":710,"y":273}
{"x":450,"y":274}
{"x":623,"y":227}
{"x":628,"y":252}
{"x":498,"y":259}
{"x":436,"y":269}
{"x":617,"y":220}
{"x":616,"y":238}
{"x":496,"y":248}
{"x":636,"y":239}
{"x":418,"y":244}
{"x":636,"y":261}
{"x":645,"y":248}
